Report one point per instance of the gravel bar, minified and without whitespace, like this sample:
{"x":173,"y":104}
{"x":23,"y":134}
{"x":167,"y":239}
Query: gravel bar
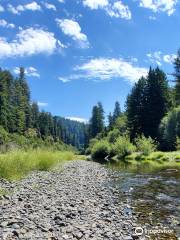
{"x":78,"y":202}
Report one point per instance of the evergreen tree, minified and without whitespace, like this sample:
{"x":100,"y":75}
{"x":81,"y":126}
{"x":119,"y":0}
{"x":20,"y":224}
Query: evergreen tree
{"x":147,"y":104}
{"x":110,"y":121}
{"x":177,"y":76}
{"x":156,"y":102}
{"x":97,"y":120}
{"x":117,"y":111}
{"x":135,"y":108}
{"x":6,"y":81}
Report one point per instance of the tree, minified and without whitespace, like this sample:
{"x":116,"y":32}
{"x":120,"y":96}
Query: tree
{"x":177,"y":77}
{"x":147,"y":104}
{"x":135,"y":108}
{"x":97,"y":120}
{"x":6,"y":81}
{"x":110,"y":121}
{"x":157,"y":102}
{"x":117,"y":111}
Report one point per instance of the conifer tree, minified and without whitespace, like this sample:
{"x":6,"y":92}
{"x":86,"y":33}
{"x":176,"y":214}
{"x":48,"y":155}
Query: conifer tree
{"x":177,"y":78}
{"x":117,"y":111}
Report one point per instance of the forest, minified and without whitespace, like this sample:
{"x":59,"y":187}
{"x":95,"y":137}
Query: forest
{"x":148,"y":128}
{"x":150,"y":123}
{"x":22,"y":123}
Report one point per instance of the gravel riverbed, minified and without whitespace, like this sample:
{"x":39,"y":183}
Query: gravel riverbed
{"x":78,"y":202}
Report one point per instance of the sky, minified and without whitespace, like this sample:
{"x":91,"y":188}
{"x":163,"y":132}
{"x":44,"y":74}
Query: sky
{"x":78,"y":52}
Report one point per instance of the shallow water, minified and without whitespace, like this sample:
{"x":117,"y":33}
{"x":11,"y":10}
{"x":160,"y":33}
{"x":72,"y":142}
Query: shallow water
{"x":153,"y":195}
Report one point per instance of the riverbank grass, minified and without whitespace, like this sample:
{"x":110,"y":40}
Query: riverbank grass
{"x":16,"y":164}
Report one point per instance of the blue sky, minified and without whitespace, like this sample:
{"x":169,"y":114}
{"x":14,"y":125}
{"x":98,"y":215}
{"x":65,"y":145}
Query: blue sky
{"x":78,"y":52}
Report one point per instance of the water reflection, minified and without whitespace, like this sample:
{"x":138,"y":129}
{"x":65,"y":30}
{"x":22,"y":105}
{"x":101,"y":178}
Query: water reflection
{"x":153,"y":194}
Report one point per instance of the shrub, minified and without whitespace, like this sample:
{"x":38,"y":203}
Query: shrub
{"x":113,"y":135}
{"x":100,"y":150}
{"x":123,"y":147}
{"x":3,"y":135}
{"x":145,"y":145}
{"x":169,"y":130}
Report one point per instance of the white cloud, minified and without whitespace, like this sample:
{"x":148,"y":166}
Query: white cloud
{"x":29,"y":71}
{"x":169,"y":58}
{"x":5,"y":24}
{"x":73,"y":29}
{"x":29,"y":42}
{"x":42,"y":104}
{"x":116,"y":9}
{"x":50,"y":6}
{"x":167,"y":6}
{"x":77,"y":119}
{"x":119,"y":10}
{"x":33,"y":6}
{"x":95,"y":4}
{"x":61,"y":1}
{"x":101,"y":69}
{"x":1,"y":8}
{"x":158,"y":58}
{"x":64,"y":80}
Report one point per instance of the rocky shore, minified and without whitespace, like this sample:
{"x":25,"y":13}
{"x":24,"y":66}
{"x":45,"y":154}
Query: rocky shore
{"x":78,"y":202}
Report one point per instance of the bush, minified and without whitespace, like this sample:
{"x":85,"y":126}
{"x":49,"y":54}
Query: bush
{"x":123,"y":147}
{"x":100,"y":150}
{"x":145,"y":145}
{"x":113,"y":135}
{"x":3,"y":135}
{"x":170,"y":130}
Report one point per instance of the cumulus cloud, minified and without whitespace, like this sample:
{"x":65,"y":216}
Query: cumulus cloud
{"x":29,"y":42}
{"x":73,"y":30}
{"x":42,"y":104}
{"x":29,"y":71}
{"x":158,"y":58}
{"x":116,"y":9}
{"x":33,"y":6}
{"x":167,"y":6}
{"x":119,"y":10}
{"x":50,"y":6}
{"x":77,"y":119}
{"x":95,"y":4}
{"x":1,"y":8}
{"x":5,"y":24}
{"x":101,"y":69}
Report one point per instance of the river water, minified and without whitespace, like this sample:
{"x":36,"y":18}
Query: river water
{"x":151,"y":195}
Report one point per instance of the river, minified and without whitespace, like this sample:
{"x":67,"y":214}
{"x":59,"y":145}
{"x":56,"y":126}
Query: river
{"x":153,"y":196}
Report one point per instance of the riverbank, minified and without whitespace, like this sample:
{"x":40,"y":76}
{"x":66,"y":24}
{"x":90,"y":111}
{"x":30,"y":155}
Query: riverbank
{"x":18,"y":163}
{"x":79,"y":202}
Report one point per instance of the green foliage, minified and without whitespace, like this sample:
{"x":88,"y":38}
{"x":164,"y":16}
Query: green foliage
{"x":147,"y":104}
{"x":177,"y":76}
{"x":170,"y":130}
{"x":3,"y":136}
{"x":100,"y":150}
{"x":97,"y":120}
{"x":145,"y":145}
{"x":121,"y":124}
{"x":123,"y":147}
{"x":19,"y":116}
{"x":113,"y":135}
{"x":16,"y":164}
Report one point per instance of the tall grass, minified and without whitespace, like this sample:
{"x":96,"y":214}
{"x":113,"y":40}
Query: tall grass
{"x":16,"y":164}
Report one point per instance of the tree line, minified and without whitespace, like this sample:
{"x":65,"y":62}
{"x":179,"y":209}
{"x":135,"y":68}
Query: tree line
{"x":152,"y":110}
{"x":18,"y":114}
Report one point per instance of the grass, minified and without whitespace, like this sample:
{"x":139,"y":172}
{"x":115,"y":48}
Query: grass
{"x":16,"y":164}
{"x":154,"y":162}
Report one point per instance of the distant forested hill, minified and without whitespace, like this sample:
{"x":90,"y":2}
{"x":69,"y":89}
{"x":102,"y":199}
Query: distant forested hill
{"x":19,"y":115}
